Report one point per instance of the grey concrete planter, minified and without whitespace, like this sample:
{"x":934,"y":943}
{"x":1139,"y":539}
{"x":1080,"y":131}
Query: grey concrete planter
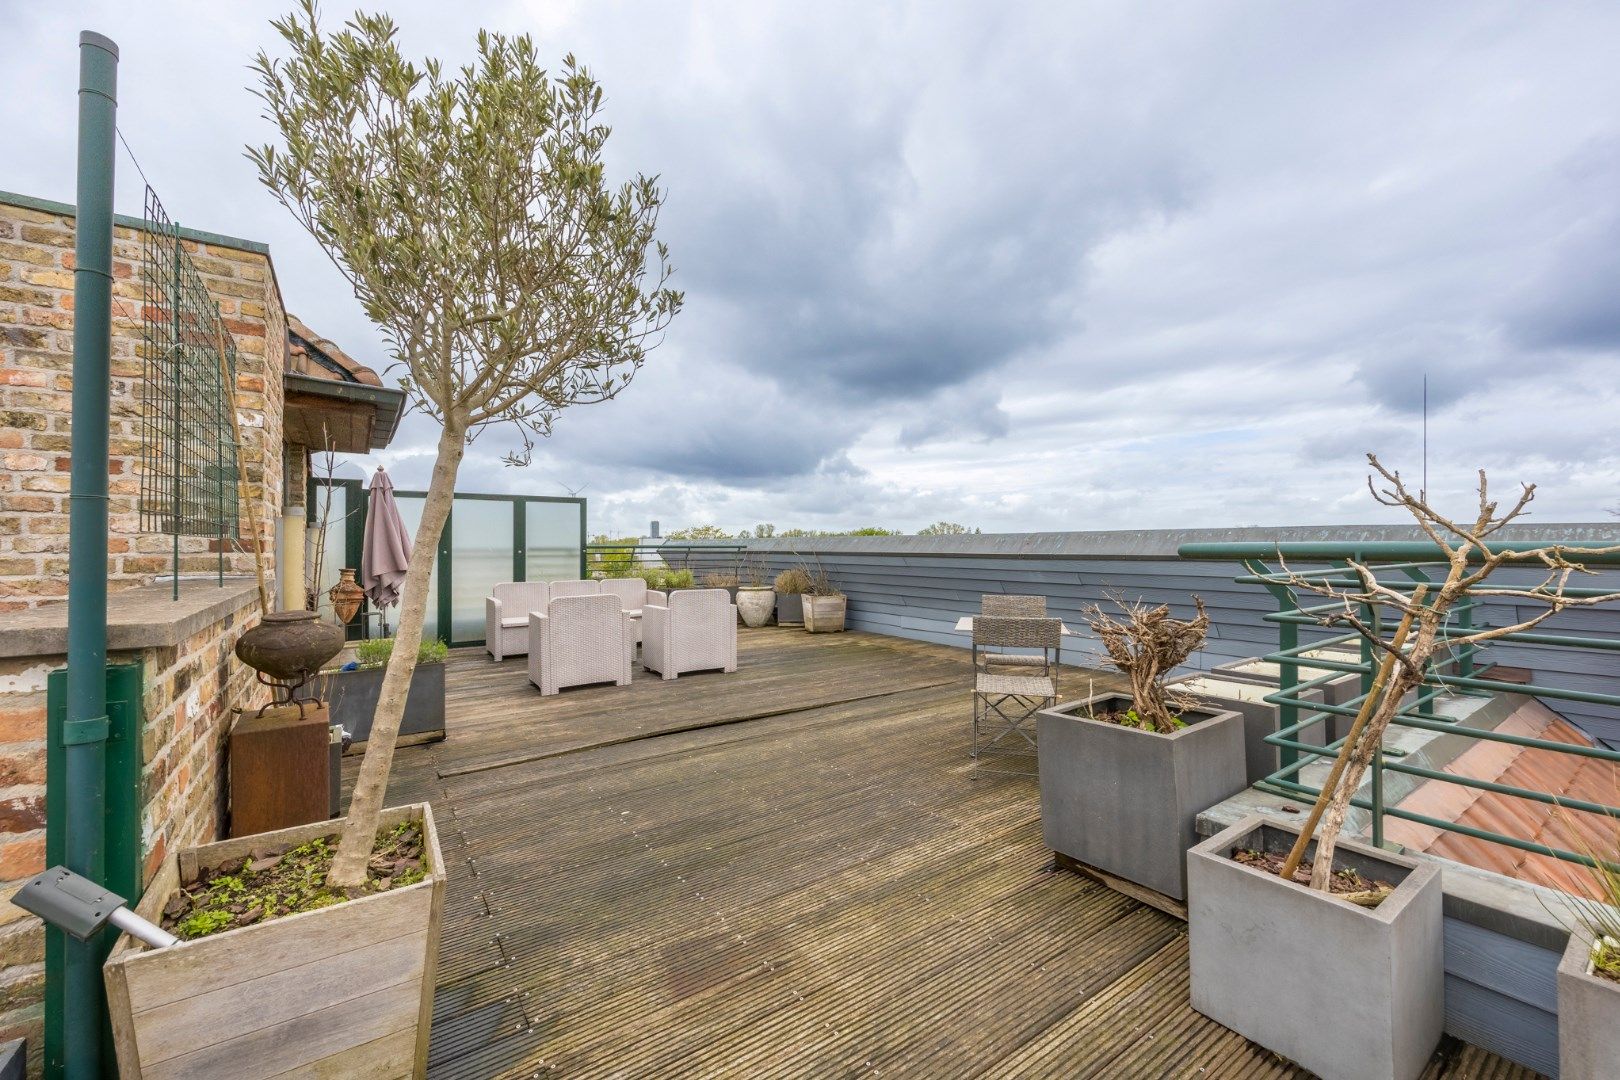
{"x":1127,"y":801}
{"x":789,"y":609}
{"x":1588,"y":1015}
{"x":1260,"y":719}
{"x":352,"y":697}
{"x":1348,"y":992}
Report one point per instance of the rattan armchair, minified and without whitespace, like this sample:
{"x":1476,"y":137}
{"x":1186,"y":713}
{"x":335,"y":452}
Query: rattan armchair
{"x":506,"y":616}
{"x":579,"y":640}
{"x":689,"y":630}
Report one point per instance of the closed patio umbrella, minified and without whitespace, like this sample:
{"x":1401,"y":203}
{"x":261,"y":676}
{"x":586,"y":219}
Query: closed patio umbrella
{"x":387,"y":552}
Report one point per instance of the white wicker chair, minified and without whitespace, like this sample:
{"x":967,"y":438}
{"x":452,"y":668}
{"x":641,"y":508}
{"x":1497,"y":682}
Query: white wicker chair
{"x":689,"y":630}
{"x":506,"y":616}
{"x":575,"y":588}
{"x":579,"y":640}
{"x":633,"y":594}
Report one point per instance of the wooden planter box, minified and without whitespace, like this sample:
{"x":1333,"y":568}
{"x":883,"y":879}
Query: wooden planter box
{"x":352,"y":698}
{"x":345,"y":990}
{"x":824,"y":614}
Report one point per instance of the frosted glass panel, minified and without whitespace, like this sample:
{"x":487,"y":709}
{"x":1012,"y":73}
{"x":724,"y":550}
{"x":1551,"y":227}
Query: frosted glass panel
{"x":480,"y":558}
{"x":410,"y":511}
{"x":552,"y":533}
{"x":324,"y":555}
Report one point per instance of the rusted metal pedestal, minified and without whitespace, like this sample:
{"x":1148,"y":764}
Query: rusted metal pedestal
{"x":280,"y":770}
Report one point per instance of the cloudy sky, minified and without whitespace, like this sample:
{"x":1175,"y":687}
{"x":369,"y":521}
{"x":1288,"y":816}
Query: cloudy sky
{"x":1023,"y":266}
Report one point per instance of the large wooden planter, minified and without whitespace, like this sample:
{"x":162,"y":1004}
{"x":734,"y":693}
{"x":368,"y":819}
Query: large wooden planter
{"x":1351,"y":993}
{"x":341,"y":991}
{"x":352,"y":698}
{"x":1588,"y":1015}
{"x":824,"y":614}
{"x":1127,"y":801}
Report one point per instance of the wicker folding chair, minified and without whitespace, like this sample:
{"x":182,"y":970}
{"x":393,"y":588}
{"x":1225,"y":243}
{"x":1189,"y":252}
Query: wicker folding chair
{"x":1005,"y":702}
{"x":1008,"y":606}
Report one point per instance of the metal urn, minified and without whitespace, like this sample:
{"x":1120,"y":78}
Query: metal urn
{"x":285,"y":649}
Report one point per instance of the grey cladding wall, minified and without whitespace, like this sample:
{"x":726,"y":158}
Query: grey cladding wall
{"x":917,"y":587}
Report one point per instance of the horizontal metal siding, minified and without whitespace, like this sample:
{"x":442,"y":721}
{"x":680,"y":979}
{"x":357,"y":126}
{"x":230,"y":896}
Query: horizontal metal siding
{"x":920,"y":596}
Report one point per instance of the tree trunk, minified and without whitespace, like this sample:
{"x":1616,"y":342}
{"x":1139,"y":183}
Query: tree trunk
{"x":359,"y":833}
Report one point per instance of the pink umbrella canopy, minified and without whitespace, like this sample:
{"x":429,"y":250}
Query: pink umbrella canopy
{"x":387,"y":552}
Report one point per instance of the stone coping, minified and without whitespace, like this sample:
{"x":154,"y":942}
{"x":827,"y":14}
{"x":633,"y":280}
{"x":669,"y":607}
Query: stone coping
{"x":1119,"y":544}
{"x":140,"y":618}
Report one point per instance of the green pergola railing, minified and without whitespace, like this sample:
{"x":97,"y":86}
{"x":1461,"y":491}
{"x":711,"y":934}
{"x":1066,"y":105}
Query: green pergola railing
{"x":1403,"y":566}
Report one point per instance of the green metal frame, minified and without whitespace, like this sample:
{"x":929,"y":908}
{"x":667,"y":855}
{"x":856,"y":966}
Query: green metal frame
{"x":121,"y":816}
{"x":1413,"y":561}
{"x":358,"y":500}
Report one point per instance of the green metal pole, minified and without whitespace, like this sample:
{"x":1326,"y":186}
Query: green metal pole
{"x":85,"y":732}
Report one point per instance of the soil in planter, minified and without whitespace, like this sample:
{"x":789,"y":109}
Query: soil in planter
{"x":1347,"y":883}
{"x":274,"y":882}
{"x":1131,"y":718}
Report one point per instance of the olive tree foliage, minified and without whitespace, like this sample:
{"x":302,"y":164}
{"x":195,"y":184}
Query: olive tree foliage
{"x":470,"y":211}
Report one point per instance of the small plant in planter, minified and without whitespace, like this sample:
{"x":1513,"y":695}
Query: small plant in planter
{"x":825,"y":605}
{"x":722,"y":579}
{"x":352,"y":695}
{"x":1124,"y":775}
{"x":1380,"y":937}
{"x":791,"y":585}
{"x":1589,"y":975}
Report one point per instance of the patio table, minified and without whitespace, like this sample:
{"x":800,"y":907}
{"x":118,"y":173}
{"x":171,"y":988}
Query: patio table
{"x":964,"y":625}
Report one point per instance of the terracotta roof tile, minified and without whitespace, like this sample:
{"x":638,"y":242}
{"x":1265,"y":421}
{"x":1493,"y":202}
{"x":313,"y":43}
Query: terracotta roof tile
{"x":300,"y":360}
{"x":1565,"y":775}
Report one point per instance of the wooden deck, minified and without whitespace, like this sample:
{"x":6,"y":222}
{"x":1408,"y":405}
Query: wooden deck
{"x":788,"y":870}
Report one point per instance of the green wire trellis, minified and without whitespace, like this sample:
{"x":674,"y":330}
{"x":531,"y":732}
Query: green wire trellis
{"x":188,"y":451}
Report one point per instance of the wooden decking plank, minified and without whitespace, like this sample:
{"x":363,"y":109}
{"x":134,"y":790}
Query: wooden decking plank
{"x":787,"y":870}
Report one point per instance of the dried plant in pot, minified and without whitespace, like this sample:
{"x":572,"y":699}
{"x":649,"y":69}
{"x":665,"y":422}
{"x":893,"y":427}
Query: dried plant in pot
{"x":791,"y":585}
{"x":1378,"y":944}
{"x":825,"y":606}
{"x":721,"y":579}
{"x":1124,"y":776}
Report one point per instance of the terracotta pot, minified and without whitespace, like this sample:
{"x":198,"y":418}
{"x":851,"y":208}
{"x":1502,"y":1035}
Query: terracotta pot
{"x":347,"y":596}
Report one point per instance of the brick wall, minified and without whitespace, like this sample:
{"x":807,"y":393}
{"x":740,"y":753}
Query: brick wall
{"x":36,"y":383}
{"x":191,"y":686}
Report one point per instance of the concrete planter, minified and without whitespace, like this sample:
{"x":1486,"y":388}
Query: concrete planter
{"x":1127,"y":801}
{"x":824,"y":614}
{"x":352,"y":697}
{"x":1588,"y":1015}
{"x":755,"y":605}
{"x":790,"y":609}
{"x":1260,"y":719}
{"x":345,"y":990}
{"x":1348,"y":992}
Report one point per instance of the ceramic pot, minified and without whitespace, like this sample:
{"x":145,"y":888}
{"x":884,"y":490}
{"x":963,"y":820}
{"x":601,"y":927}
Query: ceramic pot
{"x":755,"y":605}
{"x":289,"y":645}
{"x":347,"y":596}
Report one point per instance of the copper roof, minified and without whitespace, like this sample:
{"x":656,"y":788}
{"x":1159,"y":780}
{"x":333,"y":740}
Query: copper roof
{"x":310,"y":354}
{"x":1567,"y":776}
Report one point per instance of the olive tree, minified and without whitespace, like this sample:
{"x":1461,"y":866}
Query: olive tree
{"x":1471,"y":554}
{"x":470,"y":211}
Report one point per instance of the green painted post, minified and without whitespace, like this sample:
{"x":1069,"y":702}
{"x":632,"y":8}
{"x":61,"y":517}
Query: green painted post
{"x":84,"y":734}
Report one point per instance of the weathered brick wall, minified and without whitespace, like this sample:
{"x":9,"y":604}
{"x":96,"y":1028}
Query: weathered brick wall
{"x":191,"y":687}
{"x":36,"y":383}
{"x":190,"y":691}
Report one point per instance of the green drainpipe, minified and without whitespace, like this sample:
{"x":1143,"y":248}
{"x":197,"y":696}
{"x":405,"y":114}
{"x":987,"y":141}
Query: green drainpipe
{"x":84,"y":734}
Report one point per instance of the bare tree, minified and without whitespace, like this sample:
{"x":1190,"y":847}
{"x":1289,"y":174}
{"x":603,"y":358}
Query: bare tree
{"x":469,"y":211}
{"x":1425,"y":626}
{"x":1146,"y":645}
